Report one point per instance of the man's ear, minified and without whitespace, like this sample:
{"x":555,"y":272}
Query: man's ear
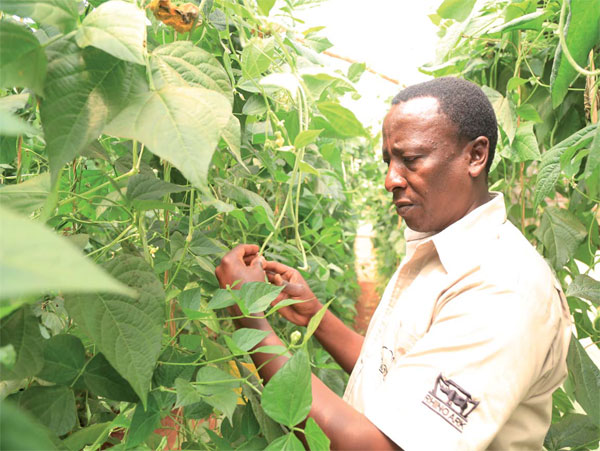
{"x":479,"y":151}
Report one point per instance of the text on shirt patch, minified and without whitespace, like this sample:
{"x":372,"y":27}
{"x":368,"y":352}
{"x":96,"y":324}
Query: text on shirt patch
{"x":451,"y":402}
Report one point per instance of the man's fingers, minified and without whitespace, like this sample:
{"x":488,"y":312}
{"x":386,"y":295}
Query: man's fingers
{"x":276,"y":267}
{"x":295,"y":289}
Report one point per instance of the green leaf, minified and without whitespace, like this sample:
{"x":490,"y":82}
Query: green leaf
{"x":572,"y":431}
{"x":524,"y":146}
{"x":216,"y":388}
{"x":179,"y":124}
{"x":549,"y":170}
{"x":118,"y":28}
{"x":60,"y":13}
{"x":257,"y":296}
{"x":148,"y":187}
{"x":84,"y":90}
{"x":527,"y":112}
{"x":246,"y":197}
{"x":265,"y":6}
{"x":21,"y":330}
{"x":103,"y":380}
{"x":505,"y":112}
{"x":314,"y":322}
{"x":78,"y":440}
{"x":21,"y":432}
{"x":316,"y":438}
{"x":306,"y":137}
{"x":64,"y":358}
{"x":561,"y":233}
{"x":54,"y":407}
{"x":342,"y":120}
{"x":143,"y":422}
{"x":8,"y":357}
{"x":455,"y":9}
{"x":246,"y":339}
{"x":531,"y":21}
{"x":585,"y":376}
{"x":28,"y":196}
{"x":593,"y":159}
{"x":257,"y":57}
{"x":181,"y":63}
{"x":34,"y":260}
{"x":287,"y":442}
{"x":221,"y":299}
{"x":11,"y":125}
{"x":23,"y":59}
{"x":186,"y":393}
{"x":133,"y":345}
{"x":584,"y":15}
{"x":583,"y":286}
{"x":287,"y":397}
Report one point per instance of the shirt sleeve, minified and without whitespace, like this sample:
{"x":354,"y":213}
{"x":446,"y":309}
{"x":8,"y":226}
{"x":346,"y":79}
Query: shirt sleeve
{"x":460,"y":382}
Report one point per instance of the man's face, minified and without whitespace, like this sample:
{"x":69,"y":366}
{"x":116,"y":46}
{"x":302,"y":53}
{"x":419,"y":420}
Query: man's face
{"x":427,"y":165}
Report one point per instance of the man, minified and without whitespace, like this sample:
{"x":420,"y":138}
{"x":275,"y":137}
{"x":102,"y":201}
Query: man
{"x":470,"y":338}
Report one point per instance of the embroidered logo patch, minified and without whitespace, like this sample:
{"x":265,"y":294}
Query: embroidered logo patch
{"x":450,"y":401}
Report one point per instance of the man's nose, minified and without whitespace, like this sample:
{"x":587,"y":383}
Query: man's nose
{"x":395,"y":178}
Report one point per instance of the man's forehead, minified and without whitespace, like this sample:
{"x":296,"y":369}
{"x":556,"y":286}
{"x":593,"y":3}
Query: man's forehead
{"x":418,"y":107}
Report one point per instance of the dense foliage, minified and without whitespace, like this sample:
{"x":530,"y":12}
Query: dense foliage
{"x":152,"y":138}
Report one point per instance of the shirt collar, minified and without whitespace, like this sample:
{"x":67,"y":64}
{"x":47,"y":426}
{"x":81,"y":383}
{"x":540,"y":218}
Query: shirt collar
{"x":451,"y":243}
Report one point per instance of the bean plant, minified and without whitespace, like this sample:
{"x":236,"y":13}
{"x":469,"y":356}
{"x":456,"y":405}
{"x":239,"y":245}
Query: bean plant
{"x":139,"y":142}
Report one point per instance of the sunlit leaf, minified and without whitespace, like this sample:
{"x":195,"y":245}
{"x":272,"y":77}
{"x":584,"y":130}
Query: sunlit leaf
{"x":180,"y":124}
{"x":34,"y":260}
{"x":585,"y":376}
{"x":342,"y":120}
{"x":61,"y":13}
{"x":455,"y":9}
{"x":586,"y":287}
{"x":524,"y":146}
{"x":316,"y":438}
{"x":246,"y":339}
{"x":505,"y":111}
{"x":118,"y":28}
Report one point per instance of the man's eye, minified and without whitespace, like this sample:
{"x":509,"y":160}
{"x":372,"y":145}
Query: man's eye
{"x":409,"y":159}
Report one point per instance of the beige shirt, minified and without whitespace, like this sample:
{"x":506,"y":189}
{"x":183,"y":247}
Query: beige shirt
{"x":468,"y":342}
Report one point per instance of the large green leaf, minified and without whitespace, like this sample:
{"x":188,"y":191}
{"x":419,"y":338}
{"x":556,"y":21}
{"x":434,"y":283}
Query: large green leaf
{"x":582,"y":30}
{"x":572,"y":431}
{"x":78,"y":440}
{"x":34,"y":260}
{"x":84,"y":89}
{"x":584,"y":286}
{"x":61,"y":13}
{"x":342,"y":120}
{"x":287,"y":397}
{"x":456,"y":9}
{"x":118,"y":28}
{"x":549,"y":171}
{"x":11,"y":125}
{"x":561,"y":233}
{"x":135,"y":325}
{"x":181,"y":63}
{"x":531,"y":21}
{"x":180,"y":124}
{"x":103,"y":380}
{"x":585,"y":376}
{"x":22,"y":331}
{"x":505,"y":111}
{"x":287,"y":442}
{"x":257,"y":56}
{"x":28,"y":196}
{"x":257,"y":296}
{"x":64,"y":358}
{"x":246,"y":339}
{"x":23,"y":59}
{"x":54,"y":407}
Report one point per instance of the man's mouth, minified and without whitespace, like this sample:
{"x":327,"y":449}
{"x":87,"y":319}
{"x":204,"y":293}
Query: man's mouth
{"x":402,"y":207}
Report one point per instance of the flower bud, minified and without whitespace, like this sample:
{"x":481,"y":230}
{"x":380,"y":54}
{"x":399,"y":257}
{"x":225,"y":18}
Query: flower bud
{"x":295,"y":337}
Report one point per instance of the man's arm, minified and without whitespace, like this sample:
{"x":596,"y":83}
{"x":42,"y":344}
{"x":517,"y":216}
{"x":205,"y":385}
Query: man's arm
{"x":345,"y":427}
{"x":339,"y":340}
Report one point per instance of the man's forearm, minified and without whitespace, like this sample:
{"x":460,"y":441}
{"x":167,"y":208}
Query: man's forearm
{"x":339,"y":340}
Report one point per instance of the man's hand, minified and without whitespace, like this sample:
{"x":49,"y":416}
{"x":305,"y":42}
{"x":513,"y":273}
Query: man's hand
{"x":242,"y":263}
{"x":295,"y":287}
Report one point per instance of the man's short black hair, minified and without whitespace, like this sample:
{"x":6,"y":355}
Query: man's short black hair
{"x":464,"y":103}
